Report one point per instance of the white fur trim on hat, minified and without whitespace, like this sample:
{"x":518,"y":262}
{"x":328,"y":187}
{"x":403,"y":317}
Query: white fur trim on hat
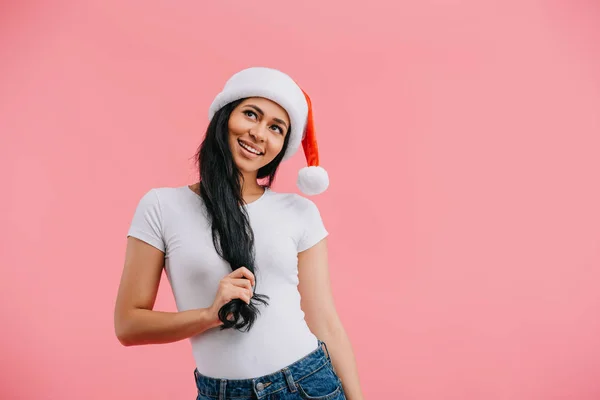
{"x":273,"y":85}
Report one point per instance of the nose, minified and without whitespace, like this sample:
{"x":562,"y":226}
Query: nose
{"x":258,"y":133}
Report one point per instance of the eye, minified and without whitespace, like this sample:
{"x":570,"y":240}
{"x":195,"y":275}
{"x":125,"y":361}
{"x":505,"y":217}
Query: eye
{"x":250,"y":114}
{"x":278,"y":128}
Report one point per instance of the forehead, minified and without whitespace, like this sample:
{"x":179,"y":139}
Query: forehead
{"x":269,"y":107}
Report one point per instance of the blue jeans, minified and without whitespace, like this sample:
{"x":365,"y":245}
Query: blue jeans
{"x":310,"y":378}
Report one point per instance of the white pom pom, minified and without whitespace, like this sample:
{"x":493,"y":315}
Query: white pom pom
{"x":313,"y":180}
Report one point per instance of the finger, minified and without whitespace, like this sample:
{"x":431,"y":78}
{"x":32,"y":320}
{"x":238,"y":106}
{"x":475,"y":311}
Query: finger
{"x":243,"y":272}
{"x":232,"y":292}
{"x":245,"y":283}
{"x":244,"y":294}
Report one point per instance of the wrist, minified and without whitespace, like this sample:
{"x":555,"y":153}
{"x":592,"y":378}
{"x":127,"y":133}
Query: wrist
{"x":210,"y":317}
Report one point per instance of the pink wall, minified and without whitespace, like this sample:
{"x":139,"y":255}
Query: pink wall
{"x":462,"y":142}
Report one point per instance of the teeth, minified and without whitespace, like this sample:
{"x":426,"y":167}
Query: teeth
{"x":250,"y":149}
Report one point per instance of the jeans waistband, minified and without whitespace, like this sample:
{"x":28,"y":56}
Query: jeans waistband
{"x":284,"y":379}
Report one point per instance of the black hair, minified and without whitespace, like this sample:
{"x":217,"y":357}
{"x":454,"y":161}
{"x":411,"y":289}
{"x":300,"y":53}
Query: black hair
{"x":221,"y":191}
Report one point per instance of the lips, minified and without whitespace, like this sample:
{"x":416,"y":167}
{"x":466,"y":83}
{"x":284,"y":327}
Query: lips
{"x":249,"y":147}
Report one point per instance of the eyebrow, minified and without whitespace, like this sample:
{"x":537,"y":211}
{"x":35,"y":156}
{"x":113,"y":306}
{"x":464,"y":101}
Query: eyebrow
{"x":262,"y":113}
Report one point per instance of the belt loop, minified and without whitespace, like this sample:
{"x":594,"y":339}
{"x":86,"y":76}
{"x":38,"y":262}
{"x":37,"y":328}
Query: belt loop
{"x":223,"y":388}
{"x":323,"y":344}
{"x":290,"y":380}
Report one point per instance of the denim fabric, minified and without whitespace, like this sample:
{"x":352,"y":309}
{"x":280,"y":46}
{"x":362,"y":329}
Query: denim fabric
{"x":310,"y":378}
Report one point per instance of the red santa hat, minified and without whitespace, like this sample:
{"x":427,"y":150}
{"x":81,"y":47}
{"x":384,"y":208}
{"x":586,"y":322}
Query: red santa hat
{"x":278,"y":87}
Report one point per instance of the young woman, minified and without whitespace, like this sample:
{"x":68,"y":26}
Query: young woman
{"x":247,"y":266}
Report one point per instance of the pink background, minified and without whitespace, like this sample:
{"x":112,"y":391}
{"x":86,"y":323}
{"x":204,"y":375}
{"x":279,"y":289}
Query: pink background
{"x":462,"y":142}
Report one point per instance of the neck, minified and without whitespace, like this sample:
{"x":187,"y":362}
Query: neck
{"x":251,"y":190}
{"x":250,"y":186}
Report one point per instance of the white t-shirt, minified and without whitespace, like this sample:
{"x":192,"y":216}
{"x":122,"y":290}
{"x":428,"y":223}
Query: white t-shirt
{"x":174,"y":221}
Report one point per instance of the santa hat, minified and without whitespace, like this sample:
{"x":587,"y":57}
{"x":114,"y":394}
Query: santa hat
{"x":278,"y":87}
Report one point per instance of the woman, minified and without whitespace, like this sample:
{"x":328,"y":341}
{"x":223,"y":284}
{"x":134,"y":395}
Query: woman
{"x":247,"y":266}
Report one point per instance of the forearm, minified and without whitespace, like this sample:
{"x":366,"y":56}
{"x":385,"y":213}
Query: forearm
{"x":142,"y":326}
{"x":344,"y":362}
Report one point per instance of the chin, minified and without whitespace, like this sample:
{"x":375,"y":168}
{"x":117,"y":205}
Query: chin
{"x":246,"y":166}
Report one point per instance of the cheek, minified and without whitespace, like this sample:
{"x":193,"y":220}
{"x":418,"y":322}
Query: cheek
{"x":232,"y":137}
{"x":236,"y":124}
{"x":275,"y":146}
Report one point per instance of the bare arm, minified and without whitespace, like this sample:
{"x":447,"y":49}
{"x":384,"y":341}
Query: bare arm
{"x":136,"y":323}
{"x":322,"y":318}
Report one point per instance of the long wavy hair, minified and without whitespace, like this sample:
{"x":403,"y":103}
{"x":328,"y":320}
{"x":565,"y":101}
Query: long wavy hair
{"x":221,"y":190}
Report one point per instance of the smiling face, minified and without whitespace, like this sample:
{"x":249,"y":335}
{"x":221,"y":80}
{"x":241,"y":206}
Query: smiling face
{"x":257,"y":131}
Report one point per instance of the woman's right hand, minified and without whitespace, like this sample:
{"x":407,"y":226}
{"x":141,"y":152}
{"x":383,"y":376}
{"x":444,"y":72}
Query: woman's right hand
{"x":236,"y":285}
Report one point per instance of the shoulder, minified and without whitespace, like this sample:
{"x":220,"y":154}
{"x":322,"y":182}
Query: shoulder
{"x":159,"y":196}
{"x":165,"y":192}
{"x":294,"y":202}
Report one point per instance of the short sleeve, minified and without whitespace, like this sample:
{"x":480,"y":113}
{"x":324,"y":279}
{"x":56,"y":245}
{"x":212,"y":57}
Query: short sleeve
{"x":147,"y":221}
{"x":313,"y":228}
